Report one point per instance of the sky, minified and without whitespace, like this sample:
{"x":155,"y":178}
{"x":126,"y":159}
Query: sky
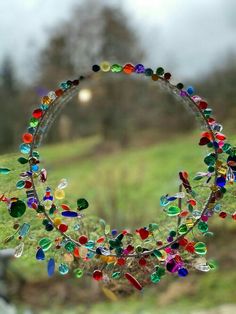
{"x":189,"y":37}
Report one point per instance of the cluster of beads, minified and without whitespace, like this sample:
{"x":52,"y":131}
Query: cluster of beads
{"x":145,"y":255}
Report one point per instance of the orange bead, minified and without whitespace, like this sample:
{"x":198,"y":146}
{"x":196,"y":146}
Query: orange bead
{"x":154,"y":77}
{"x":46,"y":100}
{"x":27,"y":138}
{"x":128,"y":68}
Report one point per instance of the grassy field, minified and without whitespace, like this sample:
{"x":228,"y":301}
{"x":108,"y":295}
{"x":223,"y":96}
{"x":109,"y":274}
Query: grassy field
{"x":124,"y":188}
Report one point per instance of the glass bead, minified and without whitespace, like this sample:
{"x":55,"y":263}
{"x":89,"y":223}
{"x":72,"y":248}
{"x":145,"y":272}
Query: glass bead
{"x":182,"y":272}
{"x":20,"y":184}
{"x":133,"y":281}
{"x":155,"y":77}
{"x":116,"y":68}
{"x":167,"y":76}
{"x":69,"y":214}
{"x":33,"y":122}
{"x":63,"y":269}
{"x":128,"y":68}
{"x":24,"y":229}
{"x":148,"y":72}
{"x":83,"y":239}
{"x":51,"y":267}
{"x":190,"y":90}
{"x":52,"y":95}
{"x":97,"y":275}
{"x":63,"y":228}
{"x":90,"y":244}
{"x":68,"y":257}
{"x":45,"y":244}
{"x":49,"y":227}
{"x":82,"y":203}
{"x":78,"y":272}
{"x":105,"y":66}
{"x":46,"y":100}
{"x":19,"y":249}
{"x":221,"y":181}
{"x":25,"y":148}
{"x":203,"y":226}
{"x":182,"y":229}
{"x":70,"y":246}
{"x":27,"y":138}
{"x":4,"y":170}
{"x":63,"y":184}
{"x":37,"y":113}
{"x":40,"y":256}
{"x":116,"y":275}
{"x":47,"y":204}
{"x":160,"y":71}
{"x":200,"y":248}
{"x":96,"y":68}
{"x":155,"y":278}
{"x":59,"y":194}
{"x":17,"y":209}
{"x":173,"y":211}
{"x":180,"y":85}
{"x":139,"y":68}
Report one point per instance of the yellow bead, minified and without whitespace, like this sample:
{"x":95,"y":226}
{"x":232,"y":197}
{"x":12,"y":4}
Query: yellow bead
{"x":57,"y":221}
{"x":214,"y":188}
{"x":59,"y":194}
{"x":47,"y":204}
{"x":105,"y":66}
{"x":46,"y":100}
{"x":189,"y":222}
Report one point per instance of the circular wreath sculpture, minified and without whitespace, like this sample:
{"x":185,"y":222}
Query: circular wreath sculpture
{"x":145,"y":255}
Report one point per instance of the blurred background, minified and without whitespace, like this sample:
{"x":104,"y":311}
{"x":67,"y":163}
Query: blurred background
{"x":121,"y":141}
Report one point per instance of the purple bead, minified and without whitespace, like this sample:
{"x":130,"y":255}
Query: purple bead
{"x":172,"y":266}
{"x":139,"y":68}
{"x":183,"y":93}
{"x":170,"y":239}
{"x":30,"y":201}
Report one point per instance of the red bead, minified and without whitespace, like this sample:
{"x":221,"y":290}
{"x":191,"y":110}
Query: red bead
{"x":144,"y":233}
{"x":65,"y":207}
{"x":130,"y":248}
{"x":204,"y":141}
{"x":202,"y":105}
{"x":223,"y":215}
{"x":220,"y":136}
{"x":159,"y":243}
{"x":28,"y":184}
{"x":142,"y":262}
{"x":234,"y":216}
{"x":83,"y":239}
{"x":76,"y":252}
{"x":192,"y":202}
{"x":121,"y":261}
{"x":101,"y":239}
{"x":27,"y":138}
{"x":63,"y":227}
{"x":37,"y":113}
{"x":167,"y":76}
{"x":97,"y":275}
{"x":59,"y":92}
{"x":190,"y":248}
{"x":128,"y":68}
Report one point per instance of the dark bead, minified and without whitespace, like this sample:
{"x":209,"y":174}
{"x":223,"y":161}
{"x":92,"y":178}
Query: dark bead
{"x":148,"y":72}
{"x":175,"y":246}
{"x":180,"y":86}
{"x":167,"y":76}
{"x":96,"y":68}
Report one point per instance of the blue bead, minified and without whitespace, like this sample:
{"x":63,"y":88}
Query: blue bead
{"x":25,"y":148}
{"x":221,"y":181}
{"x":182,"y":272}
{"x":40,"y":256}
{"x":35,"y":168}
{"x":69,"y":214}
{"x":114,"y":232}
{"x":190,"y":90}
{"x":139,"y":68}
{"x":51,"y":267}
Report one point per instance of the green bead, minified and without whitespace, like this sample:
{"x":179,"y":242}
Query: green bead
{"x":33,"y":122}
{"x":4,"y":170}
{"x":40,"y":209}
{"x":116,"y":68}
{"x":119,"y":251}
{"x":45,"y":222}
{"x":155,"y":278}
{"x":78,"y":272}
{"x":153,"y":227}
{"x":172,"y":233}
{"x":211,"y":169}
{"x":157,"y":253}
{"x":226,"y":147}
{"x":90,"y":244}
{"x":202,"y":226}
{"x":182,"y":229}
{"x":223,"y":190}
{"x":138,"y":249}
{"x":115,"y":243}
{"x":17,"y":209}
{"x":200,"y":248}
{"x":160,"y":272}
{"x":210,"y":144}
{"x":173,"y":211}
{"x":20,"y":184}
{"x":210,"y":160}
{"x":36,"y":154}
{"x":82,"y":203}
{"x":70,"y":246}
{"x":45,"y":244}
{"x":160,"y":71}
{"x":148,"y":72}
{"x":22,"y":160}
{"x":207,"y":111}
{"x":213,"y":264}
{"x":116,"y":275}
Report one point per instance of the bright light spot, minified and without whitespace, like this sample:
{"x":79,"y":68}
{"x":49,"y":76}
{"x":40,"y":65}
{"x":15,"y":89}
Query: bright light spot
{"x":84,"y":95}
